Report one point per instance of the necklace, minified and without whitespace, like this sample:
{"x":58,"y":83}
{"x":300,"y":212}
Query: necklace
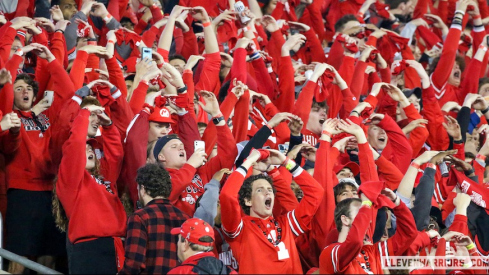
{"x":279,"y":232}
{"x":367,"y":263}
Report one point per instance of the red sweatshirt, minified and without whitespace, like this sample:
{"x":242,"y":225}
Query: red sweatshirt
{"x":398,"y":149}
{"x":345,"y":258}
{"x":255,"y":254}
{"x":92,"y":205}
{"x":188,"y":182}
{"x":30,"y":167}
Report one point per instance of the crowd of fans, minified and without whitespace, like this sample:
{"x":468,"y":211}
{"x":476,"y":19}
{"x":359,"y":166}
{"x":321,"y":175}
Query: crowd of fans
{"x":253,"y":136}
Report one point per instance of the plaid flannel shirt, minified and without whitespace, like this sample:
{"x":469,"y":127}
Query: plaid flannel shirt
{"x":150,"y":247}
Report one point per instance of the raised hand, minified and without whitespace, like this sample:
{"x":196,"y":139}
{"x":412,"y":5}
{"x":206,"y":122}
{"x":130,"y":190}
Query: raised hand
{"x":295,"y":126}
{"x":453,"y":128}
{"x":211,"y":105}
{"x":414,"y":124}
{"x":199,"y":14}
{"x":349,"y":127}
{"x":269,"y":23}
{"x":172,"y":75}
{"x":99,"y":10}
{"x":280,"y":117}
{"x":5,"y":77}
{"x":198,"y":158}
{"x":342,"y":143}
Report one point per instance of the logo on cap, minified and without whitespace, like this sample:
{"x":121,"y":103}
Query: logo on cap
{"x":164,"y":112}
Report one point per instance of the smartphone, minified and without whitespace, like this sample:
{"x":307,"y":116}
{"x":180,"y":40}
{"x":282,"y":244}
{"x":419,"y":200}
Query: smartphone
{"x":240,"y":8}
{"x":199,"y":144}
{"x":283,"y":148}
{"x":49,"y":95}
{"x":147,"y":53}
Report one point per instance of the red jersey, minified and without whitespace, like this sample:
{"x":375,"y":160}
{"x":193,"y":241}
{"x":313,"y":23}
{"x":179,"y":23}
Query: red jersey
{"x":259,"y":254}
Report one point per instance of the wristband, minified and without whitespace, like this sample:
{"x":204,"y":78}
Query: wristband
{"x":481,"y":157}
{"x":468,"y":172}
{"x":285,"y":161}
{"x":367,"y":203}
{"x":255,"y":56}
{"x":324,"y":132}
{"x":182,"y":89}
{"x":107,"y":18}
{"x":415,"y":165}
{"x":486,"y":109}
{"x":360,"y":14}
{"x":470,"y":246}
{"x":60,"y":30}
{"x":245,"y":29}
{"x":482,"y":47}
{"x":431,"y":165}
{"x":460,"y":11}
{"x":476,"y":17}
{"x":459,"y":141}
{"x":111,"y":41}
{"x":218,"y":115}
{"x":354,"y":112}
{"x":19,"y":52}
{"x":206,"y":24}
{"x":92,"y":39}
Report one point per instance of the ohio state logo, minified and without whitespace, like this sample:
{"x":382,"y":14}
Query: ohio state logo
{"x":164,"y":113}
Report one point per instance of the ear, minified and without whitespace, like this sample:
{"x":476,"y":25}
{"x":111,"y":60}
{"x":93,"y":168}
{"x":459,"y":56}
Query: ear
{"x":247,"y":202}
{"x":345,"y":221}
{"x":161,"y":158}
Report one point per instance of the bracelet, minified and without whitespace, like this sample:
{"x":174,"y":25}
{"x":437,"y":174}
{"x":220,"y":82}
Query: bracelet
{"x":285,"y":161}
{"x":247,"y":28}
{"x":367,"y":203}
{"x":477,"y":17}
{"x":415,"y":165}
{"x":324,"y":132}
{"x":460,"y":11}
{"x":107,"y":18}
{"x":481,"y":157}
{"x":92,"y":39}
{"x":60,"y":30}
{"x":111,"y":41}
{"x":486,"y":109}
{"x":218,"y":115}
{"x":431,"y":165}
{"x":482,"y":47}
{"x":255,"y":56}
{"x":206,"y":24}
{"x":182,"y":89}
{"x":470,"y":246}
{"x":354,"y":112}
{"x":458,"y":141}
{"x":19,"y":52}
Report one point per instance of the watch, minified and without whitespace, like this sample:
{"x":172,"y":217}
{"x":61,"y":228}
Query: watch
{"x":217,"y":120}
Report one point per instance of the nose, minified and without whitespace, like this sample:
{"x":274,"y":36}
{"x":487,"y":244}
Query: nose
{"x":164,"y":131}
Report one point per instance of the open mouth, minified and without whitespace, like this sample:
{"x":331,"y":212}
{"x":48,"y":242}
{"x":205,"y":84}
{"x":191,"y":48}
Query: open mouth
{"x":181,"y":155}
{"x":268,"y":203}
{"x":91,"y":157}
{"x":381,"y":139}
{"x":322,"y":120}
{"x":26,"y":99}
{"x":456,"y":74}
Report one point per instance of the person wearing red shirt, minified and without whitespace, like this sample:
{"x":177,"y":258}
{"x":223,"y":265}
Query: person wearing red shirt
{"x":97,"y":219}
{"x":195,"y":245}
{"x":354,"y":253}
{"x":190,"y":176}
{"x":261,"y":242}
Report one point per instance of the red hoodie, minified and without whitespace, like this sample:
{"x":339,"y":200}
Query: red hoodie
{"x":92,"y":205}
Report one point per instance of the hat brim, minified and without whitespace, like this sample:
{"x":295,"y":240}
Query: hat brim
{"x":175,"y":231}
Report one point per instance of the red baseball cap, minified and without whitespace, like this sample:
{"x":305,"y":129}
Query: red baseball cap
{"x":161,"y":115}
{"x":193,"y":229}
{"x":355,"y":169}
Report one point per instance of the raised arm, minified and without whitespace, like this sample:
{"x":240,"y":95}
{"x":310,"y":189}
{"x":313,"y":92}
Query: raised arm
{"x":232,"y":223}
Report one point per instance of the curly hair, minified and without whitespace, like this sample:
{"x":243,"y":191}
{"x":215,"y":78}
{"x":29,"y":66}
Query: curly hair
{"x":247,"y":188}
{"x":29,"y":81}
{"x":155,"y":179}
{"x":59,"y":214}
